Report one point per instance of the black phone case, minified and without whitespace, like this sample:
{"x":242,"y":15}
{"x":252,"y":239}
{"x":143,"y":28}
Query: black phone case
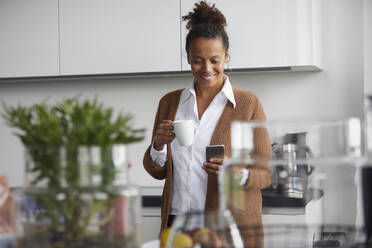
{"x":214,"y":151}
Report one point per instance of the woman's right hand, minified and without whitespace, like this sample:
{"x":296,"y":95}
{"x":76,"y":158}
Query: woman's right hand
{"x":164,"y":134}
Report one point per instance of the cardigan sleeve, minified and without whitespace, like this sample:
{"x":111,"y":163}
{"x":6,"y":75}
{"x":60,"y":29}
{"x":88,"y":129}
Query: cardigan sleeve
{"x":260,"y":174}
{"x":150,"y":166}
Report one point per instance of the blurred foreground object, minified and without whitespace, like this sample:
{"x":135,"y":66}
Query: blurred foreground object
{"x":76,"y":191}
{"x":314,"y":163}
{"x":7,"y":224}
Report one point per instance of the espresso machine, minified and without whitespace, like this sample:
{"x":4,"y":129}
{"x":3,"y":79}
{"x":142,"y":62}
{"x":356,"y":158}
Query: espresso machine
{"x":290,"y":177}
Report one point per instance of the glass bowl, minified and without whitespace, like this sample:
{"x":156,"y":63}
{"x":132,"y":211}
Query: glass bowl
{"x":211,"y":229}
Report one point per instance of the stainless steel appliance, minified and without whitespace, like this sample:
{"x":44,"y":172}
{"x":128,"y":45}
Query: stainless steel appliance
{"x":291,"y":177}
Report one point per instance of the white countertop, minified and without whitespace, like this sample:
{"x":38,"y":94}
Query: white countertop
{"x":8,"y":241}
{"x":151,"y":244}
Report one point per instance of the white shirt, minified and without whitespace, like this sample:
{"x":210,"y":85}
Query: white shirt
{"x":189,"y":178}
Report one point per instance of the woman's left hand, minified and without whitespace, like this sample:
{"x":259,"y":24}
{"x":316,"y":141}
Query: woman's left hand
{"x":214,"y":165}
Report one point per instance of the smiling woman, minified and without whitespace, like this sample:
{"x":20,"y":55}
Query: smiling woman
{"x":207,"y":48}
{"x":207,"y":58}
{"x":211,"y":103}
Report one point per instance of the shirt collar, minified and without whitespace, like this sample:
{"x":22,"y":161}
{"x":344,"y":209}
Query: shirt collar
{"x":226,"y":90}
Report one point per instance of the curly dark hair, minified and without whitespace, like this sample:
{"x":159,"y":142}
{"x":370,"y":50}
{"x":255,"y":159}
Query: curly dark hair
{"x":207,"y":21}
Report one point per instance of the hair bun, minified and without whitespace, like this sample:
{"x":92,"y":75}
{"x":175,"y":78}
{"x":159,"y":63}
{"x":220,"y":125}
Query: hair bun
{"x":203,"y":13}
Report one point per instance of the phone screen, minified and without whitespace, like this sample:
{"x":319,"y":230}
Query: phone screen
{"x":215,"y":151}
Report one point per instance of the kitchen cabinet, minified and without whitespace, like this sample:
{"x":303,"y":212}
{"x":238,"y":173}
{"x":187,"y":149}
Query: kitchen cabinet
{"x":150,"y":223}
{"x":267,"y":33}
{"x":151,"y":213}
{"x":91,"y":37}
{"x":29,"y":38}
{"x":99,"y":37}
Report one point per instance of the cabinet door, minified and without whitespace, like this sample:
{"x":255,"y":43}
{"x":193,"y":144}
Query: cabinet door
{"x":264,"y":33}
{"x":28,"y":38}
{"x":119,"y":36}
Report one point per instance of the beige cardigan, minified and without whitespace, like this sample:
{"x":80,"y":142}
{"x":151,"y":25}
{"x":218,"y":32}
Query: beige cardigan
{"x":248,"y":107}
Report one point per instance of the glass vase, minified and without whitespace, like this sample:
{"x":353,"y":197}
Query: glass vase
{"x":314,"y":169}
{"x":77,"y":196}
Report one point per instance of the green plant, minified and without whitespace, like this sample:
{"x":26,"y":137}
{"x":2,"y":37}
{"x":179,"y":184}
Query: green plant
{"x":46,"y":130}
{"x":70,"y":123}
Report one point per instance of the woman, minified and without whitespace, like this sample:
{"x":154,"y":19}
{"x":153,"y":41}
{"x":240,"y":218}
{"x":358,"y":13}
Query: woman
{"x":212,"y":103}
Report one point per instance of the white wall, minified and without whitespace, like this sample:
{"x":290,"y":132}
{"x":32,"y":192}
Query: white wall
{"x":334,"y":93}
{"x":367,"y":14}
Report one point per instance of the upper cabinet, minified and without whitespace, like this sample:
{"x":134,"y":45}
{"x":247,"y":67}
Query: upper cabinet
{"x":88,"y":37}
{"x":267,"y":33}
{"x":28,"y":38}
{"x":113,"y":36}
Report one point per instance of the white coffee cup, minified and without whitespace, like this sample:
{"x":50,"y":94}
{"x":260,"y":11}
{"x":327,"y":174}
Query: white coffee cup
{"x":184,"y":130}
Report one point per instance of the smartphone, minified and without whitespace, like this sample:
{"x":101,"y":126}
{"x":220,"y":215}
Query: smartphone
{"x":214,"y":151}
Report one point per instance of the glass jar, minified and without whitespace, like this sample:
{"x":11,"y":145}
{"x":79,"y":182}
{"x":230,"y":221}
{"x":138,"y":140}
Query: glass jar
{"x":366,"y":173}
{"x":200,"y":229}
{"x":315,"y":193}
{"x":78,"y":196}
